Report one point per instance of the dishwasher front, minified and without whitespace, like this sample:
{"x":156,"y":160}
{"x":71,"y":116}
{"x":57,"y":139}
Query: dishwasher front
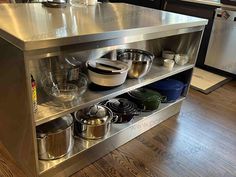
{"x":221,"y":52}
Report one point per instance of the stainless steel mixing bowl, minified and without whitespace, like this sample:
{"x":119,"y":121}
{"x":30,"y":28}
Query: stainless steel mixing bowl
{"x":140,"y":61}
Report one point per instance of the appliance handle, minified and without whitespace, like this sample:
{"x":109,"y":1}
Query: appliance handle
{"x":225,"y":15}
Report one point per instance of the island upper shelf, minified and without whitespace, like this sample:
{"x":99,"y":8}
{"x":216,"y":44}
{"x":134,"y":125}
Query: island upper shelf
{"x":33,"y":26}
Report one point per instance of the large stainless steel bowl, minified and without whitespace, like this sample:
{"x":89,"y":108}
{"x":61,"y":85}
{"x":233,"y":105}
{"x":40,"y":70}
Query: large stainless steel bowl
{"x":140,"y":61}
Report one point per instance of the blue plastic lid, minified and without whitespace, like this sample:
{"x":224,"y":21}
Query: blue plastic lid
{"x":168,"y":84}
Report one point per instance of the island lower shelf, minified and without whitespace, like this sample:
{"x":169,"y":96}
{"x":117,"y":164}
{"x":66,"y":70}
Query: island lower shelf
{"x":87,"y":151}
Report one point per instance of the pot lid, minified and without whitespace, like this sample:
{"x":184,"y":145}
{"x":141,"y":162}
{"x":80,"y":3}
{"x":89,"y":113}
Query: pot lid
{"x":105,"y":65}
{"x":143,"y":94}
{"x":168,"y":84}
{"x":94,"y":115}
{"x":56,"y":125}
{"x":122,"y":106}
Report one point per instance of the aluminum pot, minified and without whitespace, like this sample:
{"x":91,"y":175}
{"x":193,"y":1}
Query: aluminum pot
{"x":107,"y":73}
{"x":140,"y":61}
{"x":93,"y":122}
{"x":55,"y":138}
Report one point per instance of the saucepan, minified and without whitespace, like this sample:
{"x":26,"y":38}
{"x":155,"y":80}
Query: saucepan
{"x":93,"y":122}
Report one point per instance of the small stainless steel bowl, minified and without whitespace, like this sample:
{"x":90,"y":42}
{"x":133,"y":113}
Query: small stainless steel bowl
{"x":140,"y":61}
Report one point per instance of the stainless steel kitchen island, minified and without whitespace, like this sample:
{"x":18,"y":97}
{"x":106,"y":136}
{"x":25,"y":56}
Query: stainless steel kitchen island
{"x":32,"y":34}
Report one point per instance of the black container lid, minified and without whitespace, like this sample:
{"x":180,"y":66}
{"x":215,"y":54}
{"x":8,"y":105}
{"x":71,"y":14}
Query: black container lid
{"x":144,"y":94}
{"x":122,"y":106}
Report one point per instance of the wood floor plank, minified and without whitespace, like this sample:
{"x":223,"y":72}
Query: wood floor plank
{"x":188,"y":153}
{"x":8,"y":166}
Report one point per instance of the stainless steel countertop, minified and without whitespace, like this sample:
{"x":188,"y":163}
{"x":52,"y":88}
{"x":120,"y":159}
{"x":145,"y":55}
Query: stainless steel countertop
{"x":32,"y":26}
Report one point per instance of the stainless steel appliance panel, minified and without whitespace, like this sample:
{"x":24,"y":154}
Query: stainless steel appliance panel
{"x":221,"y":51}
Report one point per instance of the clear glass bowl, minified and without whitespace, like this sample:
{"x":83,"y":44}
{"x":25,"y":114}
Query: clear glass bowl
{"x":63,"y":90}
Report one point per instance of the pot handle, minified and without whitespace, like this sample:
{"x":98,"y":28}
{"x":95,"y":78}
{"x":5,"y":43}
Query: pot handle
{"x":115,"y":118}
{"x":163,"y":99}
{"x":42,"y":143}
{"x":184,"y":87}
{"x":42,"y":137}
{"x":137,"y":113}
{"x":103,"y":71}
{"x":109,"y":66}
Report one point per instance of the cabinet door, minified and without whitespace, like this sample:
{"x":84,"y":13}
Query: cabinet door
{"x":197,"y":10}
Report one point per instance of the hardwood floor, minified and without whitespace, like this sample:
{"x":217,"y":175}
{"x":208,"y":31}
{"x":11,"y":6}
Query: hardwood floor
{"x":8,"y":166}
{"x":200,"y":141}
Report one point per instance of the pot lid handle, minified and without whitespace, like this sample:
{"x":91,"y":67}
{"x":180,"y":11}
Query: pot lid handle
{"x":121,"y":105}
{"x":96,"y":111}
